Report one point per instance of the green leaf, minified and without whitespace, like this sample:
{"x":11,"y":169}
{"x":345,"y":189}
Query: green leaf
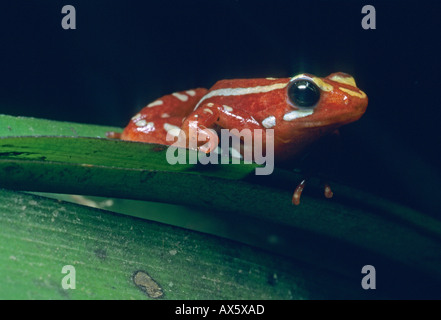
{"x":24,"y":126}
{"x":119,"y":257}
{"x":338,"y":235}
{"x":81,"y":144}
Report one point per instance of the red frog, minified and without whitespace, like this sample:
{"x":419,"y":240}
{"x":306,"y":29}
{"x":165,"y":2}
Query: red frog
{"x":300,"y":110}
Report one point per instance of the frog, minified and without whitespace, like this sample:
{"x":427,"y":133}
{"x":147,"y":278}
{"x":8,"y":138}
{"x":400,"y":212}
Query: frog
{"x":300,"y":110}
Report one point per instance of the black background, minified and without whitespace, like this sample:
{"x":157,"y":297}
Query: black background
{"x":124,"y":54}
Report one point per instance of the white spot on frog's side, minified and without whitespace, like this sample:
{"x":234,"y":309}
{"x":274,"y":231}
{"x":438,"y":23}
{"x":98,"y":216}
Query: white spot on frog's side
{"x":191,"y":93}
{"x":210,"y":104}
{"x":149,"y":125}
{"x":171,"y":129}
{"x":295,"y":114}
{"x":141,"y":123}
{"x":208,"y":110}
{"x":155,"y":103}
{"x":165,"y":115}
{"x":180,"y":96}
{"x":360,"y":94}
{"x":271,"y":78}
{"x":227,"y":108}
{"x":344,"y":79}
{"x":136,"y":117}
{"x":269,"y":122}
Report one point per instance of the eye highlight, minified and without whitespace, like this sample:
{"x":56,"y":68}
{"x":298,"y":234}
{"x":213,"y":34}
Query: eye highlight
{"x":303,"y":93}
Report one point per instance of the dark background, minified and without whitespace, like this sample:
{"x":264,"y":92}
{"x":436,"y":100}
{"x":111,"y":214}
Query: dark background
{"x":124,"y":54}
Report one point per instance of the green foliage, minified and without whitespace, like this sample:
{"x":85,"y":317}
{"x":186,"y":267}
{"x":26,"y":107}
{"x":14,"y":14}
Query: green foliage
{"x":329,"y":240}
{"x":39,"y":236}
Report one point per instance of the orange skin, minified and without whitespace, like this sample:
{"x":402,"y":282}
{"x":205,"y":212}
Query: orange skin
{"x":245,"y":104}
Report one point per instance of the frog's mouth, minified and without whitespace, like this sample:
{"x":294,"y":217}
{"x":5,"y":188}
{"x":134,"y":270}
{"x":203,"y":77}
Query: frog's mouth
{"x":334,"y":117}
{"x":337,"y":120}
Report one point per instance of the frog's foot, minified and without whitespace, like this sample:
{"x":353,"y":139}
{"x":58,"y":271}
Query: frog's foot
{"x":298,"y":192}
{"x":198,"y":137}
{"x":327,"y":191}
{"x":210,"y":138}
{"x":113,"y":135}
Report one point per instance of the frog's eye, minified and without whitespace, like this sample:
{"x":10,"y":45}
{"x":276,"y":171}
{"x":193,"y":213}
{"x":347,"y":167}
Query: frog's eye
{"x":303,"y":93}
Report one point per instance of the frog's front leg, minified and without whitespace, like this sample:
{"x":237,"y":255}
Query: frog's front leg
{"x":198,"y":127}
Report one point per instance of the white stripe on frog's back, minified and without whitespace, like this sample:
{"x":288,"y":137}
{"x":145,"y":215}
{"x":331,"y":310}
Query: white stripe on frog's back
{"x":241,"y":91}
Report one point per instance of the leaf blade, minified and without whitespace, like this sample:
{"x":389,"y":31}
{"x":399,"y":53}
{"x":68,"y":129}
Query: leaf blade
{"x":353,"y":217}
{"x":107,"y":250}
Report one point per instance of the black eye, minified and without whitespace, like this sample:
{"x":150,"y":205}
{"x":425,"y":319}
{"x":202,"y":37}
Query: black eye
{"x":304,"y":93}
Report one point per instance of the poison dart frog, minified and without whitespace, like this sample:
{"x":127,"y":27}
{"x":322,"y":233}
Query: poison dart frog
{"x":300,"y":110}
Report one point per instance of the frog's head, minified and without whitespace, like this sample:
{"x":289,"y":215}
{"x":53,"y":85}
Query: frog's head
{"x":316,"y":107}
{"x":325,"y":102}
